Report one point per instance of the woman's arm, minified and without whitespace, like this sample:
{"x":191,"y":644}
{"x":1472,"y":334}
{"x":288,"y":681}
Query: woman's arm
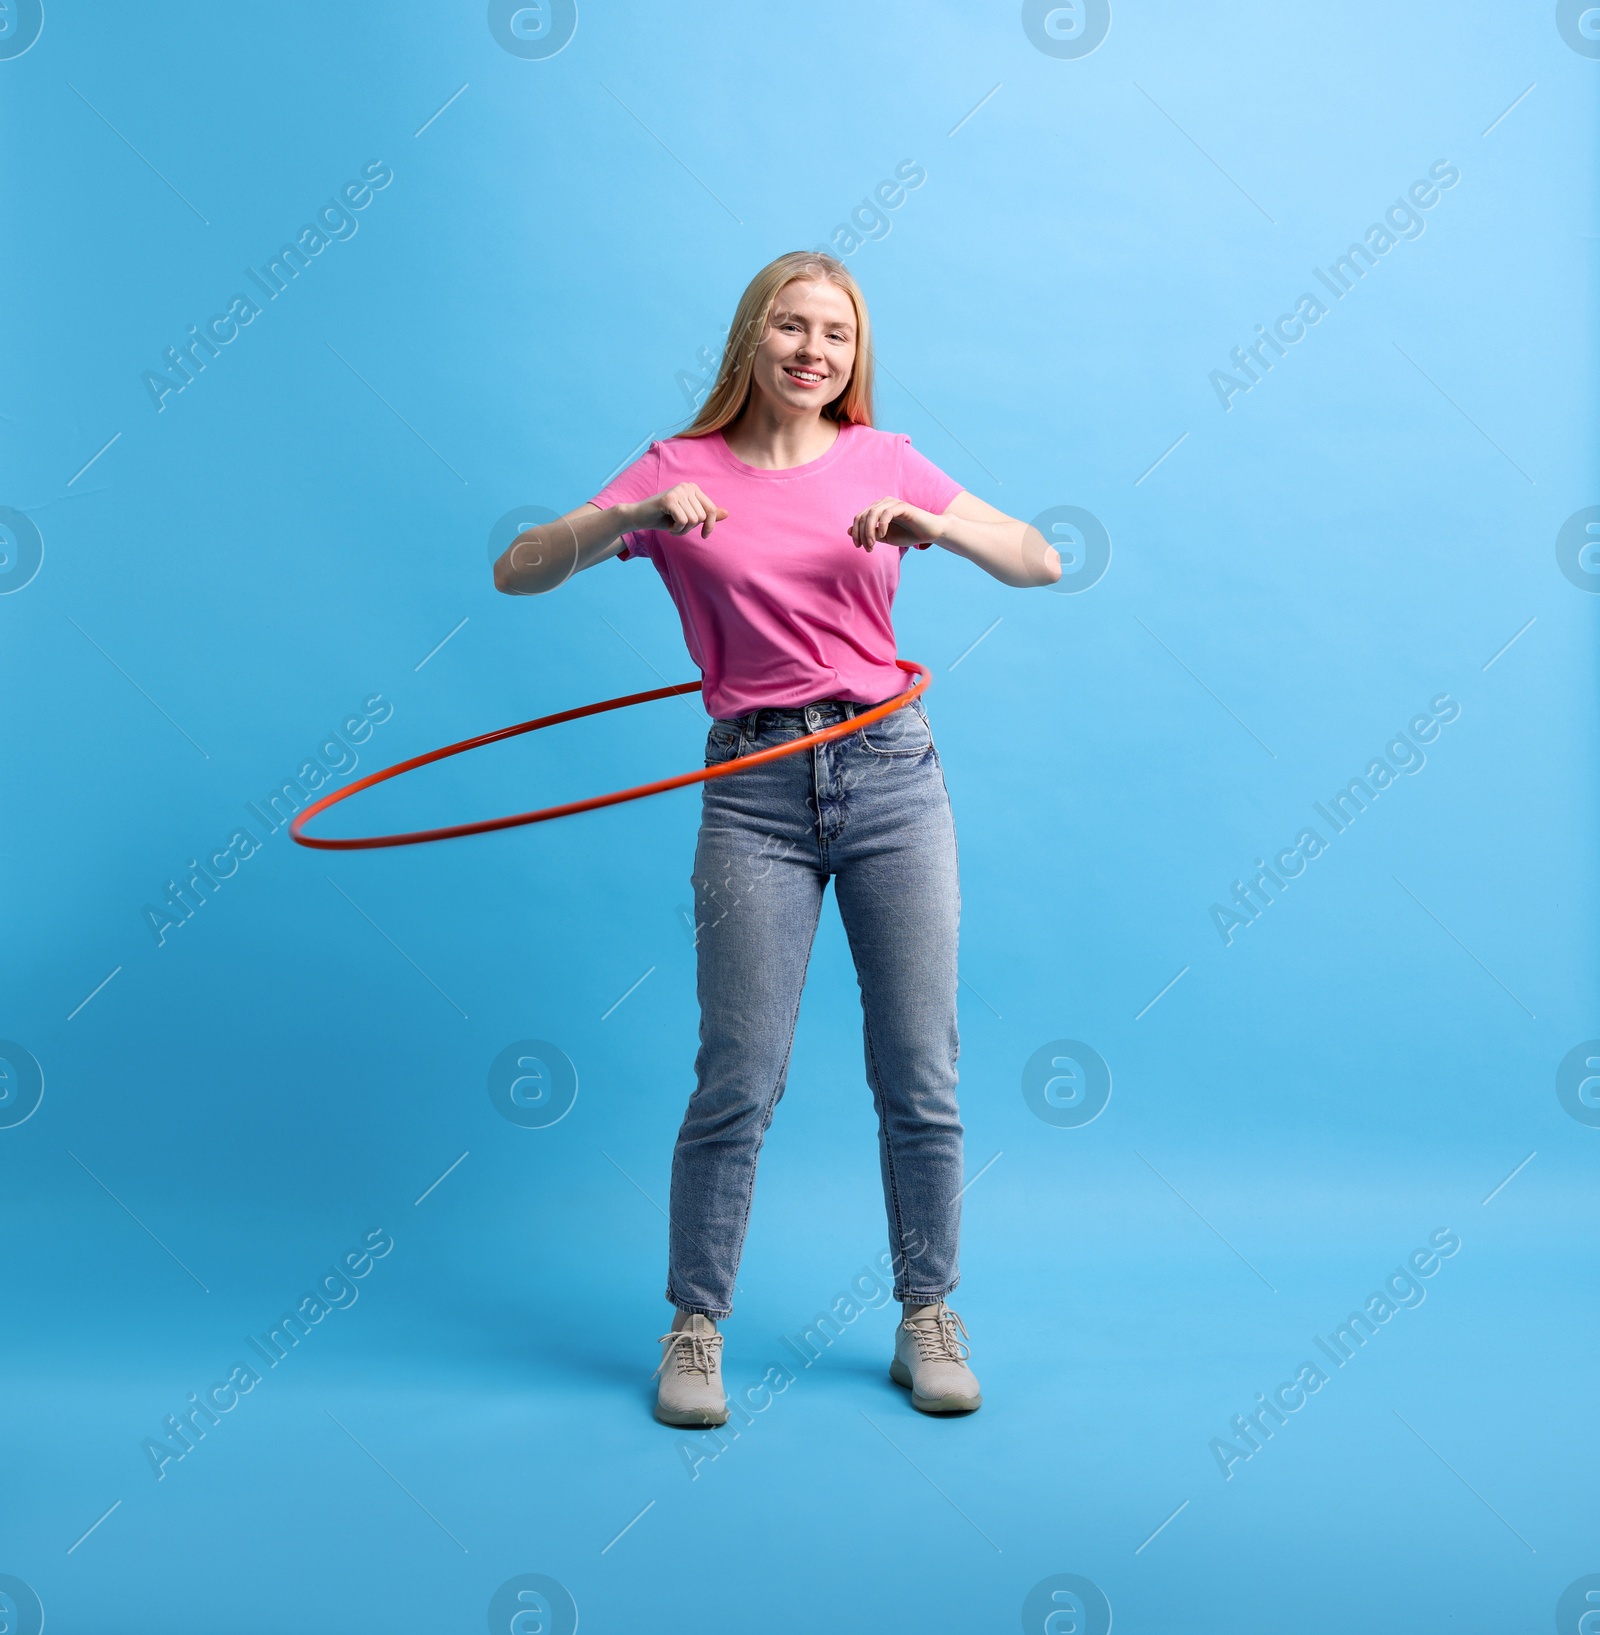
{"x":1014,"y":552}
{"x":539,"y":559}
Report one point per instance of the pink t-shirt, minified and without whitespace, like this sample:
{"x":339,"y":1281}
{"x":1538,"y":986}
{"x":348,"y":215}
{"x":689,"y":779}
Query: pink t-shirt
{"x":779,"y":607}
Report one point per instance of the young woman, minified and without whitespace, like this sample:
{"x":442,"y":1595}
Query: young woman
{"x":778,"y":521}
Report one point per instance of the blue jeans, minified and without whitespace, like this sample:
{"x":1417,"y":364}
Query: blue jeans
{"x":871,"y":810}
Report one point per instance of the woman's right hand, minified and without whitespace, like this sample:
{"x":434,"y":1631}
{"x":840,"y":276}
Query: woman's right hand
{"x":676,"y":510}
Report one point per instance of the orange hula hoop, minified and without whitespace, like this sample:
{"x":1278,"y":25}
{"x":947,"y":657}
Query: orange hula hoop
{"x":722,"y":769}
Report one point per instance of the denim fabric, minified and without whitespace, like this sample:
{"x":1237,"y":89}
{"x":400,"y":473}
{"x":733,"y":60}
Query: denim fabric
{"x":871,"y":810}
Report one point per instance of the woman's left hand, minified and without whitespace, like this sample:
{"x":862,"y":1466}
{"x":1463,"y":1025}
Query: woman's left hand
{"x":893,"y":522}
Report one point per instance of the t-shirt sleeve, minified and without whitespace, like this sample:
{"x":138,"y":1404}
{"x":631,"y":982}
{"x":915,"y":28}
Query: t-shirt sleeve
{"x":635,"y":482}
{"x":923,"y":484}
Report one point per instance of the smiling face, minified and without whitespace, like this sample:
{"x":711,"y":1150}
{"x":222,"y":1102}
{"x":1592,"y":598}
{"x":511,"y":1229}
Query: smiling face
{"x":806,"y":357}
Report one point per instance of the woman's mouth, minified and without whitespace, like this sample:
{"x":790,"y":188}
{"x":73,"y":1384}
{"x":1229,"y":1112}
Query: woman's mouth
{"x":808,"y":378}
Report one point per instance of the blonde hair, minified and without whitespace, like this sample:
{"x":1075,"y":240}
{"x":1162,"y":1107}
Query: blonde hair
{"x":731,"y":393}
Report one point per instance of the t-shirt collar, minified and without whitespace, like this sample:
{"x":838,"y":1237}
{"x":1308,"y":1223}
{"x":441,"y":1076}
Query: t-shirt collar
{"x":809,"y":468}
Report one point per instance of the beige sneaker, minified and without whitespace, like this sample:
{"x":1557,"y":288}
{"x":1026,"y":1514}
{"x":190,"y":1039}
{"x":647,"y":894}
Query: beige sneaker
{"x":691,"y":1375}
{"x":930,"y":1356}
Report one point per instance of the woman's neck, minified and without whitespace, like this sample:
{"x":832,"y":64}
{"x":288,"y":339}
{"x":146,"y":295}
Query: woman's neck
{"x":771,"y":440}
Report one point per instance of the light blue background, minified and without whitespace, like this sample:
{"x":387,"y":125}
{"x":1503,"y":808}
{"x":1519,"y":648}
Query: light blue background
{"x":1364,"y":530}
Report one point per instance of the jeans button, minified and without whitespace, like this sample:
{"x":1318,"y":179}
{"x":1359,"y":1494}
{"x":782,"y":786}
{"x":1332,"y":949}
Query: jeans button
{"x":813,"y":720}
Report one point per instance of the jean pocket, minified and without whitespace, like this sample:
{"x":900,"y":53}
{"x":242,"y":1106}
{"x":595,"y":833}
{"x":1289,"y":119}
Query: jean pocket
{"x":722,"y":742}
{"x":904,"y":731}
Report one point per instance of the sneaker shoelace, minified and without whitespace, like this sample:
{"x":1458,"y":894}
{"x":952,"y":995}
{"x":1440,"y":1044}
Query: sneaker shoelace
{"x":936,"y":1336}
{"x":691,"y":1353}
